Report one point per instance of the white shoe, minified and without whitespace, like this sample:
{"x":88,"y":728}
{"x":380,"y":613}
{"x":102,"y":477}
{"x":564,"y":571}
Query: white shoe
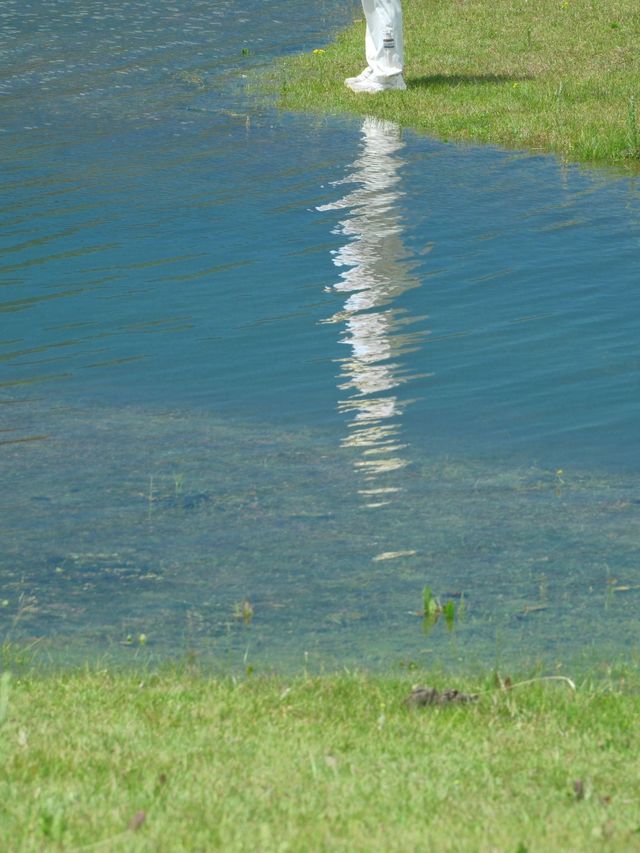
{"x":371,"y":85}
{"x":361,"y":76}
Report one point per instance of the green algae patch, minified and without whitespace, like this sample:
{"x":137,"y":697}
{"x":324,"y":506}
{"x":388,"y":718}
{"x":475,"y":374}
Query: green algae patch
{"x":178,"y":761}
{"x":554,"y":75}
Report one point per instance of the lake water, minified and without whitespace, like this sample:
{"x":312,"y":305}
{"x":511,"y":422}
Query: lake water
{"x":263,"y":376}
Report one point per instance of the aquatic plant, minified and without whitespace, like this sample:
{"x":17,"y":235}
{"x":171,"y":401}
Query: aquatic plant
{"x":243,"y":611}
{"x":433,"y":609}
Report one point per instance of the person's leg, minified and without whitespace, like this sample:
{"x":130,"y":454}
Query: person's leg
{"x":384,"y":38}
{"x":383,"y":47}
{"x":368,"y":71}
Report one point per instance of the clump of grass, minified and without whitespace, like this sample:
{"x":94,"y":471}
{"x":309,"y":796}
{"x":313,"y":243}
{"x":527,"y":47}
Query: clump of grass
{"x":137,"y":760}
{"x":632,"y":130}
{"x":551,"y":76}
{"x":5,"y":682}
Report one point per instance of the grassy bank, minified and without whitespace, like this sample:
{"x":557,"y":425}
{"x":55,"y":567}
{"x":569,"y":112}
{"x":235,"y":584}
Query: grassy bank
{"x":550,"y":75}
{"x":177,"y":761}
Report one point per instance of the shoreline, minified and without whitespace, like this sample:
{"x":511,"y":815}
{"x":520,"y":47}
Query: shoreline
{"x":550,"y":77}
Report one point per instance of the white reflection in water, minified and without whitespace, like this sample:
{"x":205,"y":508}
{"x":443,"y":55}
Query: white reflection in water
{"x":375,"y":271}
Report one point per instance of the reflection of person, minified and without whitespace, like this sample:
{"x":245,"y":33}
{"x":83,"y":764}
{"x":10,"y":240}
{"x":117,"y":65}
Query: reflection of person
{"x":375,"y":273}
{"x":384,"y":48}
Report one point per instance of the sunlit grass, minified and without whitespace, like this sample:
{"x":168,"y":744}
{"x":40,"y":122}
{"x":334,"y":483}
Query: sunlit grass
{"x":178,"y":761}
{"x":550,"y":75}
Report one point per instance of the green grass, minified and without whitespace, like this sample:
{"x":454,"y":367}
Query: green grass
{"x":178,"y":761}
{"x":548,"y":75}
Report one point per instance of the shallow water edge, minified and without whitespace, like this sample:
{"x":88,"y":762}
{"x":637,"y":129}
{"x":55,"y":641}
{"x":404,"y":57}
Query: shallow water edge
{"x":250,"y":545}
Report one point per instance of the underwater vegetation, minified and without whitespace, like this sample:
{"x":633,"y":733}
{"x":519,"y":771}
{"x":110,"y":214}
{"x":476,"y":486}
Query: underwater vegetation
{"x":241,"y":542}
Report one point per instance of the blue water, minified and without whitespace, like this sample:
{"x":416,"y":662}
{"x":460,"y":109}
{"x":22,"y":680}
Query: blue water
{"x":314,"y":363}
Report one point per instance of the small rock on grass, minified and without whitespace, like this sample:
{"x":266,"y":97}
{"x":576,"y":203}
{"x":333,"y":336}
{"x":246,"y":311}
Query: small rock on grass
{"x":421,"y":696}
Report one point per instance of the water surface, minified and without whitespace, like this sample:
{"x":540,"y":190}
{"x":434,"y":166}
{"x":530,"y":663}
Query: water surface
{"x":311,"y":363}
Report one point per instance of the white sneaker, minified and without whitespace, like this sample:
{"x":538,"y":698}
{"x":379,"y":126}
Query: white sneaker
{"x":361,"y":76}
{"x":371,"y":85}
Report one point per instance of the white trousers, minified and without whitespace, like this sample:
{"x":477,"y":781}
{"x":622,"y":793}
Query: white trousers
{"x":384,"y":44}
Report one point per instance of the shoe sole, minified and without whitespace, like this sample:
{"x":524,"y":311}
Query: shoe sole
{"x":365,"y":91}
{"x":362,"y":85}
